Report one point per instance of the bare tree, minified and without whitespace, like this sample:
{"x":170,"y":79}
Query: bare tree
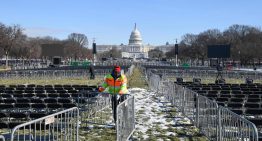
{"x":155,"y":53}
{"x":18,"y":50}
{"x":246,"y":43}
{"x":2,"y":36}
{"x":8,"y":37}
{"x":74,"y":43}
{"x":34,"y":47}
{"x":79,"y":39}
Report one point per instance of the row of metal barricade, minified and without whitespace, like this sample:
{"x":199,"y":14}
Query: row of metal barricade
{"x":98,"y":109}
{"x":215,"y":122}
{"x":64,"y":125}
{"x":56,"y":73}
{"x":209,"y":74}
{"x":46,"y":74}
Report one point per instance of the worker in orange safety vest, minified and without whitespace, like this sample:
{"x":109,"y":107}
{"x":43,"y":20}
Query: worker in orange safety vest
{"x":116,"y":84}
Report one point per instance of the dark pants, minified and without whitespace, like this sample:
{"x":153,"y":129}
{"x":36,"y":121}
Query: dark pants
{"x":115,"y":102}
{"x":92,"y":76}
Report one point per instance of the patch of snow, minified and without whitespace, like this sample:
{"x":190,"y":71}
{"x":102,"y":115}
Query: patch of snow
{"x":246,"y":69}
{"x":151,"y":117}
{"x":170,"y":134}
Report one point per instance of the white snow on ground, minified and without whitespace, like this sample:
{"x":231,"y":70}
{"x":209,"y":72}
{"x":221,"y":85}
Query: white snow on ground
{"x":246,"y":69}
{"x":152,"y":118}
{"x":156,"y":120}
{"x":143,"y":102}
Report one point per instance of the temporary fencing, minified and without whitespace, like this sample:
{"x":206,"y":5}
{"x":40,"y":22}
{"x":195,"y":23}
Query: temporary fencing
{"x":217,"y":123}
{"x":125,"y":119}
{"x":2,"y":138}
{"x":232,"y":127}
{"x":153,"y":81}
{"x":94,"y":107}
{"x":206,"y":74}
{"x":98,"y":111}
{"x":207,"y":116}
{"x":62,"y":125}
{"x":47,"y":74}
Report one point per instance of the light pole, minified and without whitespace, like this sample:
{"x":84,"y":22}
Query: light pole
{"x":94,"y":51}
{"x":176,"y":51}
{"x":239,"y":58}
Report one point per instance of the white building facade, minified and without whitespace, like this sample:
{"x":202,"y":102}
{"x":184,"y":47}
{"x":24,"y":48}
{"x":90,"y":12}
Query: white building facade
{"x":135,"y":48}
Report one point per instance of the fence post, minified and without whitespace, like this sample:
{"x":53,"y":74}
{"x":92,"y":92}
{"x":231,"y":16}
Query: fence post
{"x":219,"y":136}
{"x":50,"y":120}
{"x":2,"y":138}
{"x":183,"y":100}
{"x":197,"y":110}
{"x":77,"y":128}
{"x":125,"y":124}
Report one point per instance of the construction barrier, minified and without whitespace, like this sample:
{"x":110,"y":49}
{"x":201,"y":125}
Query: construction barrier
{"x":125,"y":119}
{"x":216,"y":123}
{"x":62,"y":125}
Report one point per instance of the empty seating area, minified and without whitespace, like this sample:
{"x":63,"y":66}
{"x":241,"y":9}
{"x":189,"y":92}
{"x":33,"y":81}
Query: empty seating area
{"x":243,"y":99}
{"x":61,"y":72}
{"x":21,"y":103}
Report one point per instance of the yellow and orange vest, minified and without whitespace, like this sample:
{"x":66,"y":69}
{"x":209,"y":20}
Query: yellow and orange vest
{"x":118,"y":86}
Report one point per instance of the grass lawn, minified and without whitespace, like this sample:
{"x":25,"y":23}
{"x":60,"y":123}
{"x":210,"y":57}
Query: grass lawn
{"x":51,"y":81}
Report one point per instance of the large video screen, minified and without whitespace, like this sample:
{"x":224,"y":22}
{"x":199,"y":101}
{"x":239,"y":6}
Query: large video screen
{"x":218,"y":51}
{"x":52,"y":50}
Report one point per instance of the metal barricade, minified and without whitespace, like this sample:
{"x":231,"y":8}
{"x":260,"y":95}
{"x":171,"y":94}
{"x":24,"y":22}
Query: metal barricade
{"x":62,"y":125}
{"x":125,"y":119}
{"x":207,"y":116}
{"x":207,"y":75}
{"x":189,"y":107}
{"x":169,"y":95}
{"x":130,"y":71}
{"x":56,"y":73}
{"x":94,"y":107}
{"x":163,"y":89}
{"x":2,"y":138}
{"x":154,"y":81}
{"x":232,"y":127}
{"x":217,"y":123}
{"x":178,"y":96}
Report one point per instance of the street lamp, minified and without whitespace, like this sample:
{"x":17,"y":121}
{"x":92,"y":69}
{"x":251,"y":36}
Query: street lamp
{"x":176,"y":51}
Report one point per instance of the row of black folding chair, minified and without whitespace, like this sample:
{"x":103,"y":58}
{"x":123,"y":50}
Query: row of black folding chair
{"x":27,"y":116}
{"x":249,"y":98}
{"x":42,"y":95}
{"x":8,"y":89}
{"x":257,"y":85}
{"x":37,"y":100}
{"x":225,"y":99}
{"x":224,"y":89}
{"x":228,"y":92}
{"x":9,"y":125}
{"x":224,"y":85}
{"x":35,"y":106}
{"x":40,"y":91}
{"x":33,"y":85}
{"x":246,"y":105}
{"x":45,"y":91}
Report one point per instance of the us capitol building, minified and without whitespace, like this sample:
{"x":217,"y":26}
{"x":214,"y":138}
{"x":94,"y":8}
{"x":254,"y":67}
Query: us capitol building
{"x":135,"y":47}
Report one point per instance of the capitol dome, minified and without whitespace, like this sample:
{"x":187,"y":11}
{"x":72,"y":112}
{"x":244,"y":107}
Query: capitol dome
{"x":135,"y":37}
